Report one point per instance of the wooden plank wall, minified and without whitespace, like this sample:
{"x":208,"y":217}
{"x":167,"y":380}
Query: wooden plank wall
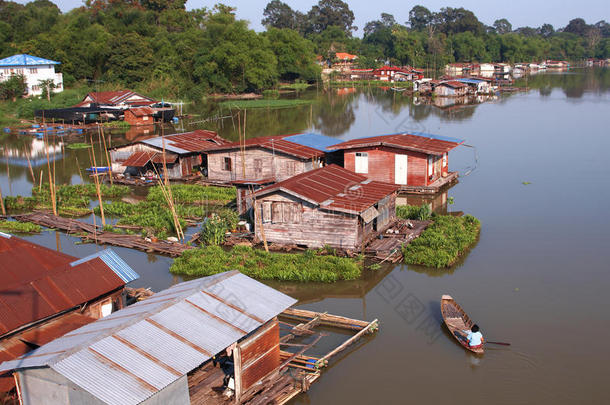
{"x":289,"y":220}
{"x":260,"y":164}
{"x":381,"y":164}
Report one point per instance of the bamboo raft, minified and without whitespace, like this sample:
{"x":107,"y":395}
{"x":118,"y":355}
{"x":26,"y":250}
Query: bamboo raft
{"x":93,"y":233}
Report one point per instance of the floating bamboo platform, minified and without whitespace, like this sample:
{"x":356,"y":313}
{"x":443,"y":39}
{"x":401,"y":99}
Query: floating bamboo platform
{"x":93,"y":233}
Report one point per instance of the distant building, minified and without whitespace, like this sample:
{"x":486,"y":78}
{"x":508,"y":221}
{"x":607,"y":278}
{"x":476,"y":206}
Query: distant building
{"x":120,"y":98}
{"x":34,"y":69}
{"x":45,"y":294}
{"x":416,"y":162}
{"x":327,"y":206}
{"x":451,"y":88}
{"x":344,"y":60}
{"x":139,"y":116}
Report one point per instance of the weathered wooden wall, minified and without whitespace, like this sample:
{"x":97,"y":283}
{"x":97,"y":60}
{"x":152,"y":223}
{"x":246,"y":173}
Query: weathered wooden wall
{"x":291,"y":221}
{"x":183,"y":166}
{"x":382,"y":165}
{"x":260,"y":164}
{"x":133,"y":119}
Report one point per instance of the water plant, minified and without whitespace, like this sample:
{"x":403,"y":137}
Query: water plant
{"x":19,"y":227}
{"x":265,"y":103}
{"x":443,"y":242}
{"x":421,"y":213}
{"x":257,"y":263}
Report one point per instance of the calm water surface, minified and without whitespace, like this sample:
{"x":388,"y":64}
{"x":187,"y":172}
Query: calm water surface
{"x":537,"y":278}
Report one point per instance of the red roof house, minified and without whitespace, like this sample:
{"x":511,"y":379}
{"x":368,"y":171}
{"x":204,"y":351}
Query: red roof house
{"x":45,"y":294}
{"x":416,"y":162}
{"x":326,"y":206}
{"x":116,"y":98}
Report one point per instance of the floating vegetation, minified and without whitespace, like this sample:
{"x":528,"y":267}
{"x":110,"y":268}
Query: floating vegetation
{"x":525,"y":183}
{"x":310,"y":266}
{"x":78,"y":145}
{"x":265,"y":103}
{"x":215,"y":227}
{"x":117,"y":124}
{"x":421,"y":213}
{"x":194,"y":194}
{"x":19,"y":227}
{"x":443,"y":242}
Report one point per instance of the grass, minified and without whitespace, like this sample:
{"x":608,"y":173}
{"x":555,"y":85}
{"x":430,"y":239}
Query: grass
{"x":259,"y":264}
{"x":443,"y":242}
{"x":78,"y":145}
{"x":19,"y":227}
{"x":265,"y":103}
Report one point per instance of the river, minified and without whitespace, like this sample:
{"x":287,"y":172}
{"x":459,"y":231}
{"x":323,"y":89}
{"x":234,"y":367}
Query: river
{"x":535,"y":172}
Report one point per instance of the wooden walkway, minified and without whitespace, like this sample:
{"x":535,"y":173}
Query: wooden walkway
{"x":388,"y":247}
{"x":92,"y":233}
{"x":432,"y":188}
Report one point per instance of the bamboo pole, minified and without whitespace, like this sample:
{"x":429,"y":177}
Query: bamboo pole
{"x":27,"y":155}
{"x":51,"y":188}
{"x":260,"y":222}
{"x":8,"y":174}
{"x":170,"y":197}
{"x":97,"y":185}
{"x":348,"y":341}
{"x":40,"y":182}
{"x":243,"y":146}
{"x":80,"y":173}
{"x":2,"y":203}
{"x":107,"y":154}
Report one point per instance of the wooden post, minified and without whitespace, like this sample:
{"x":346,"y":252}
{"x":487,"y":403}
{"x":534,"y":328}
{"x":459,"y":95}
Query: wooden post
{"x":27,"y":155}
{"x":40,"y":182}
{"x":107,"y":155}
{"x":51,"y":188}
{"x":237,"y":373}
{"x":8,"y":174}
{"x":259,"y":217}
{"x":349,"y":341}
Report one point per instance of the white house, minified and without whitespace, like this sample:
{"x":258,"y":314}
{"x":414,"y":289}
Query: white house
{"x":34,"y":69}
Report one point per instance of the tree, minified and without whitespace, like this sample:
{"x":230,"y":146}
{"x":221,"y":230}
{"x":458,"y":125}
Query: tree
{"x":576,"y":26}
{"x":455,"y":20}
{"x":331,"y":13}
{"x":420,"y":18}
{"x":546,"y":30}
{"x":280,"y":15}
{"x":130,"y":59}
{"x":15,"y":86}
{"x":162,"y":5}
{"x":502,"y":26}
{"x":47,"y":86}
{"x":295,"y":55}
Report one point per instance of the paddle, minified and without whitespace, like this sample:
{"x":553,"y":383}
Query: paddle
{"x":498,"y":343}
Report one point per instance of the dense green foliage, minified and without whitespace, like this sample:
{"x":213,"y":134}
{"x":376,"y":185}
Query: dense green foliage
{"x":163,"y":50}
{"x":215,"y":227}
{"x":19,"y":227}
{"x":421,"y":213}
{"x":443,"y":242}
{"x":257,"y":263}
{"x":194,"y":194}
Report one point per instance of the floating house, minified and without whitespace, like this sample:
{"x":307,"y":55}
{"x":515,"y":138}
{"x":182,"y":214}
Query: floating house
{"x":458,"y":69}
{"x":393,"y":73}
{"x":451,"y":88}
{"x":477,"y":86}
{"x":416,"y":162}
{"x":185,"y":153}
{"x":270,"y":157}
{"x":45,"y":294}
{"x":327,"y":206}
{"x":34,"y":69}
{"x":120,"y":98}
{"x":139,"y":116}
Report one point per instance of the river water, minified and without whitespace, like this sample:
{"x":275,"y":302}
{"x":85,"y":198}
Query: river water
{"x":535,"y":172}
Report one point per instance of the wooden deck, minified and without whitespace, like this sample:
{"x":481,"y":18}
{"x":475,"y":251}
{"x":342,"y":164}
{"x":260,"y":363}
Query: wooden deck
{"x":388,"y":247}
{"x":432,"y":188}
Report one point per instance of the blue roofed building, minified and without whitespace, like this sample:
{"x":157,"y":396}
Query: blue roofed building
{"x":34,"y":69}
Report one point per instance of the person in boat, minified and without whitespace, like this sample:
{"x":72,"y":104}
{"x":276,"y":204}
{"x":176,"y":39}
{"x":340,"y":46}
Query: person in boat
{"x":474,"y":337}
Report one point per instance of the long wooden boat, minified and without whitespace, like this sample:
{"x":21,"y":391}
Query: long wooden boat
{"x":458,"y":321}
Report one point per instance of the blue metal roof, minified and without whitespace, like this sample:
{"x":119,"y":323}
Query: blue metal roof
{"x":312,"y":140}
{"x":471,"y":81}
{"x":425,"y":135}
{"x":113,"y":261}
{"x":26,"y":60}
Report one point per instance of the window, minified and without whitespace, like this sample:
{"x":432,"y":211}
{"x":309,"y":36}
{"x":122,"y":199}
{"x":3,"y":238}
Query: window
{"x":266,"y":211}
{"x":227,"y":164}
{"x":33,"y":71}
{"x":277,"y":214}
{"x":430,"y":166}
{"x":35,"y":87}
{"x":106,"y":308}
{"x":445,"y":159}
{"x":362,"y":162}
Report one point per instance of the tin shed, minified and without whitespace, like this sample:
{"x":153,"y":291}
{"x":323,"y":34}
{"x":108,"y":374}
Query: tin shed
{"x":154,"y":351}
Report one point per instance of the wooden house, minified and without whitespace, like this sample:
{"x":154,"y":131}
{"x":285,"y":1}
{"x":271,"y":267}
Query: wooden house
{"x":185,"y":153}
{"x":416,"y":162}
{"x":120,"y":98}
{"x":451,"y":88}
{"x":245,"y":189}
{"x":458,"y":69}
{"x":45,"y":294}
{"x":327,"y":206}
{"x":271,"y":157}
{"x":139,"y":116}
{"x":476,"y":85}
{"x":162,"y":350}
{"x":344,"y":60}
{"x":388,"y":73}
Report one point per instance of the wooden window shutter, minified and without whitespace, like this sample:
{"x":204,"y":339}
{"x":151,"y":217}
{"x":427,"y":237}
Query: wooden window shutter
{"x":267,"y":211}
{"x":277,"y":214}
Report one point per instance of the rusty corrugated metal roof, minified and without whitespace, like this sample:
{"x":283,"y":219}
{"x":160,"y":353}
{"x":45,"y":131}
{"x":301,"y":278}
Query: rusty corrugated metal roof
{"x":188,"y":142}
{"x":418,"y":142}
{"x":137,"y":351}
{"x":140,"y":159}
{"x":334,"y":188}
{"x":279,"y":144}
{"x":141,"y":111}
{"x":115,"y":98}
{"x":37,"y":282}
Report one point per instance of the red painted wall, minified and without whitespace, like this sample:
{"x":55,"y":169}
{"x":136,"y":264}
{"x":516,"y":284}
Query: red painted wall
{"x":382,"y":165}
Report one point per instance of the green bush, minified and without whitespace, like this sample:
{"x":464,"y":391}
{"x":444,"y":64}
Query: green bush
{"x":443,"y":242}
{"x":414,"y":212}
{"x":257,"y":263}
{"x":19,"y":227}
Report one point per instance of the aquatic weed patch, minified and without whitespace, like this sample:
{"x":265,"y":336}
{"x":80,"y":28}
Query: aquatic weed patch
{"x":259,"y":264}
{"x":19,"y":227}
{"x":443,"y":242}
{"x":194,"y":194}
{"x":265,"y":103}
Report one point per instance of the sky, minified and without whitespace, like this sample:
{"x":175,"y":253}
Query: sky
{"x":519,"y":13}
